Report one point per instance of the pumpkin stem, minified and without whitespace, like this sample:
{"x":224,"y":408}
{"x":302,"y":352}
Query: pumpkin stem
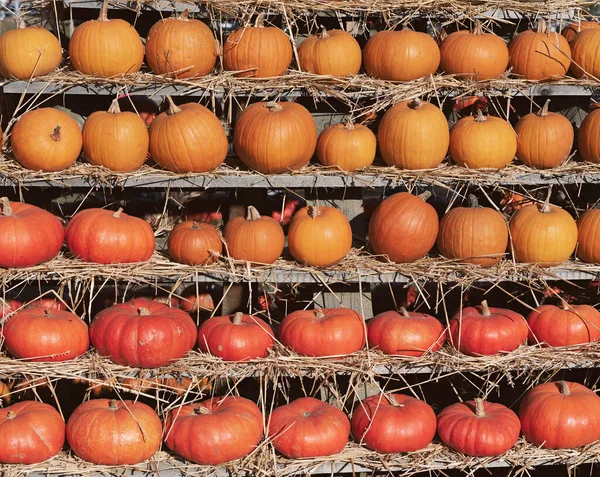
{"x":143,"y":311}
{"x":415,"y":104}
{"x":404,"y":312}
{"x":424,"y":196}
{"x":273,"y":107}
{"x":319,"y":313}
{"x":46,"y":312}
{"x":392,"y":400}
{"x":195,"y":225}
{"x":6,"y":208}
{"x":313,"y":211}
{"x":56,"y":134}
{"x":564,"y":388}
{"x":117,"y":214}
{"x":543,"y":112}
{"x":260,"y":21}
{"x":542,"y":27}
{"x":237,"y":318}
{"x":103,"y":17}
{"x":10,"y":415}
{"x":546,"y":206}
{"x":173,"y":108}
{"x":252,"y":214}
{"x":473,"y":202}
{"x":19,"y":23}
{"x":480,"y":117}
{"x":485,"y":309}
{"x":479,"y":407}
{"x":185,"y":15}
{"x":349,"y":126}
{"x":112,"y":405}
{"x":114,"y":107}
{"x":323,"y":33}
{"x":201,"y":410}
{"x":478,"y":30}
{"x":565,"y":306}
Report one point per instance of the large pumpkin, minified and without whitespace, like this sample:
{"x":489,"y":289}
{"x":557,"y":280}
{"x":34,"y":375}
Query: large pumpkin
{"x":347,"y":146}
{"x":308,"y":428}
{"x":585,"y":54}
{"x":401,"y":55}
{"x":474,"y":234}
{"x":44,"y":335}
{"x":405,"y":333}
{"x":46,"y":139}
{"x":255,"y":238}
{"x":319,"y":236}
{"x":482,"y":141}
{"x":393,"y":423}
{"x":114,"y":139}
{"x":111,"y":432}
{"x":231,"y":427}
{"x":323,"y":332}
{"x":560,"y":415}
{"x":28,"y":52}
{"x":574,"y":28}
{"x":187,"y":138}
{"x":540,"y":54}
{"x":237,"y":337}
{"x":257,"y":51}
{"x":545,"y":139}
{"x":143,"y":333}
{"x":104,"y":236}
{"x":28,"y":235}
{"x":413,"y":135}
{"x":403,"y":227}
{"x":588,"y":138}
{"x":483,"y":331}
{"x":106,"y":47}
{"x":275,"y":137}
{"x":194,"y":243}
{"x":330,"y":53}
{"x":30,"y":432}
{"x":588,"y":228}
{"x":478,"y":428}
{"x":181,"y":47}
{"x":567,"y":325}
{"x":474,"y":55}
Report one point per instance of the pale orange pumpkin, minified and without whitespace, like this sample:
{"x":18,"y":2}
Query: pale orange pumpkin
{"x":588,"y":139}
{"x":194,"y":243}
{"x":573,"y":29}
{"x":332,"y":53}
{"x":588,"y":227}
{"x":348,"y":146}
{"x":586,"y":54}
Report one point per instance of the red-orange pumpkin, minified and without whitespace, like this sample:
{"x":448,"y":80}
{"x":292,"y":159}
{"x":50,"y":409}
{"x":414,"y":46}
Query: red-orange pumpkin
{"x":588,"y":230}
{"x":348,"y":146}
{"x":332,"y":53}
{"x":564,"y":326}
{"x":194,"y":243}
{"x":197,"y":302}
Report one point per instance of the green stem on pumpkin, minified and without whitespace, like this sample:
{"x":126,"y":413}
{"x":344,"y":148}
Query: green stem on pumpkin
{"x":479,"y":407}
{"x":6,"y":208}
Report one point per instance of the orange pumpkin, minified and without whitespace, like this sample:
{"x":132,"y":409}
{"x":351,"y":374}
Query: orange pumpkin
{"x":585,"y":54}
{"x":5,"y":392}
{"x":194,"y":243}
{"x":275,"y":137}
{"x":573,"y":29}
{"x":401,"y":55}
{"x":413,"y":135}
{"x":588,"y":227}
{"x":588,"y":139}
{"x":348,"y":146}
{"x":332,"y":53}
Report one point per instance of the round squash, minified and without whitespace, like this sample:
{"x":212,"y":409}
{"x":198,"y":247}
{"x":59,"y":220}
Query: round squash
{"x":403,"y":227}
{"x":181,"y":47}
{"x":413,"y":135}
{"x":588,"y":229}
{"x":330,"y":53}
{"x":588,"y":138}
{"x":8,"y":307}
{"x":402,"y":55}
{"x":574,"y":28}
{"x":192,"y":303}
{"x":567,"y":325}
{"x":46,"y":139}
{"x":194,"y":243}
{"x":347,"y":146}
{"x":275,"y":137}
{"x":585,"y":54}
{"x":545,"y":139}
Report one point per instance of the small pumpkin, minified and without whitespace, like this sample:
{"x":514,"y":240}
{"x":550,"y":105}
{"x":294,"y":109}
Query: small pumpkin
{"x":588,"y":138}
{"x":393,"y":423}
{"x":403,"y":333}
{"x":479,"y":428}
{"x":319,"y":236}
{"x":308,"y":428}
{"x":574,"y":28}
{"x":110,"y":432}
{"x":104,"y":236}
{"x":255,"y":238}
{"x":52,"y":303}
{"x":46,"y":139}
{"x":585,"y":54}
{"x":403,"y":227}
{"x":402,"y":55}
{"x":194,"y":243}
{"x":566,"y":325}
{"x":545,"y":139}
{"x":8,"y":307}
{"x":323,"y":332}
{"x":330,"y":53}
{"x":5,"y":391}
{"x":197,"y":302}
{"x":275,"y":137}
{"x":347,"y":146}
{"x":588,"y":228}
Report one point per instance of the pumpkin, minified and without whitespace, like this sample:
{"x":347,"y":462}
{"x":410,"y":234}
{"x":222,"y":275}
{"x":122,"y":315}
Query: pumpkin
{"x":347,"y":146}
{"x":330,"y":53}
{"x":5,"y":391}
{"x":319,"y":236}
{"x":143,"y":333}
{"x":181,"y":47}
{"x":413,"y":135}
{"x":30,"y":432}
{"x":588,"y":226}
{"x":28,"y":235}
{"x":45,"y":335}
{"x":478,"y":428}
{"x":106,"y":47}
{"x":574,"y":28}
{"x":484,"y":331}
{"x":545,"y":234}
{"x":29,"y":52}
{"x":114,"y":139}
{"x":197,"y":302}
{"x":104,"y":236}
{"x":588,"y":144}
{"x":231,"y":427}
{"x":474,"y":55}
{"x":257,"y":51}
{"x":586,"y":58}
{"x":393,"y":423}
{"x":560,"y":415}
{"x":477,"y":235}
{"x":545,"y":139}
{"x":483,"y":142}
{"x":255,"y":238}
{"x":50,"y":303}
{"x":540,"y":54}
{"x":194,"y":243}
{"x":403,"y":227}
{"x":401,"y":55}
{"x":566,"y":325}
{"x":110,"y":432}
{"x":8,"y":307}
{"x":405,"y":333}
{"x":46,"y":139}
{"x":323,"y":332}
{"x":275,"y":137}
{"x":236,"y":337}
{"x":308,"y":428}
